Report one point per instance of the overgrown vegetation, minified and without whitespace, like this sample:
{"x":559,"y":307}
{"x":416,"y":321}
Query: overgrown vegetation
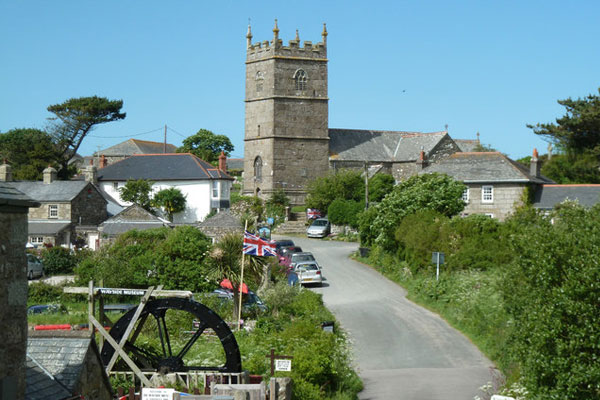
{"x":525,"y":290}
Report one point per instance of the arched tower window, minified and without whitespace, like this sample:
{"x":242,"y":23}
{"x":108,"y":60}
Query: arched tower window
{"x":300,"y":78}
{"x":258,"y":169}
{"x":259,"y":81}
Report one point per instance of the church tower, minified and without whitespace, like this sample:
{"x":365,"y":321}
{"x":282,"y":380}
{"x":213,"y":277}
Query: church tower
{"x":286,"y":130}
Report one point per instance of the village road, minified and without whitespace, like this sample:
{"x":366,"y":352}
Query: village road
{"x":402,"y":351}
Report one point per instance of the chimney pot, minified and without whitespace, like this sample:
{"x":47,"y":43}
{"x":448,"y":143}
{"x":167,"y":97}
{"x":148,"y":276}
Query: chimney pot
{"x":223,"y":162}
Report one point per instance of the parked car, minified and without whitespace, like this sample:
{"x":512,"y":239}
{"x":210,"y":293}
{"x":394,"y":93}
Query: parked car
{"x":35,"y":268}
{"x":319,"y":228}
{"x":309,"y":272}
{"x":47,"y":309}
{"x":283,"y":243}
{"x":305,"y":256}
{"x":286,"y":251}
{"x":251,"y":299}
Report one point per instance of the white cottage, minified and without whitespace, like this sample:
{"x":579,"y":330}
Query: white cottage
{"x":205,"y":186}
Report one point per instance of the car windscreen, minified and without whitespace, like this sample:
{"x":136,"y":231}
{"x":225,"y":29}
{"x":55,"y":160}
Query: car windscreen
{"x":303,"y":257}
{"x":320,"y":223}
{"x":308,"y":267}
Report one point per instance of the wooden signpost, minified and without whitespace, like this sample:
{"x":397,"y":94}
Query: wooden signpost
{"x":279,"y":362}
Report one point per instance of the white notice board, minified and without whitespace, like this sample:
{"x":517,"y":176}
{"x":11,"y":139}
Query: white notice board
{"x":158,"y":394}
{"x":283,"y":365}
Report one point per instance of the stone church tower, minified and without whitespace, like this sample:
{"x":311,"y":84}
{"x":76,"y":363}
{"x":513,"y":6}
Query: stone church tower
{"x":286,"y":129}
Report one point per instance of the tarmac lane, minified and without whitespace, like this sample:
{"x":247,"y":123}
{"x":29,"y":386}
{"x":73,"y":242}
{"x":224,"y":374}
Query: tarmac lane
{"x":401,"y":350}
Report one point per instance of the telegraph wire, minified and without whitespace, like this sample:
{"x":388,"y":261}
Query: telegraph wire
{"x":125,"y":136}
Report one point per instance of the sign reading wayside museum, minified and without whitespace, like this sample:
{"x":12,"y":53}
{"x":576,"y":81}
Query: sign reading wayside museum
{"x":122,"y":292}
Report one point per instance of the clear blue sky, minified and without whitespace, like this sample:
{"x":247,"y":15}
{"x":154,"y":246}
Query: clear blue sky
{"x":484,"y":66}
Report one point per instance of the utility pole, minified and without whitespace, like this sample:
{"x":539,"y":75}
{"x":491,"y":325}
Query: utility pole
{"x":366,"y":186}
{"x":165,"y":142}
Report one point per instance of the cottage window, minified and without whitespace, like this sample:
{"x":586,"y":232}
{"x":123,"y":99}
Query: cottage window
{"x":53,"y":211}
{"x":37,"y":240}
{"x":258,"y":169}
{"x":116,"y":186}
{"x":487,"y":194}
{"x":300,"y":78}
{"x":215,"y":189}
{"x":465,"y":195}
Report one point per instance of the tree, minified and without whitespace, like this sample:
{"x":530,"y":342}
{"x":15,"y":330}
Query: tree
{"x":28,"y":151}
{"x":227,"y":264}
{"x":206,"y":145}
{"x":379,"y":186}
{"x":435,"y":192}
{"x":170,"y":200}
{"x":579,"y":129}
{"x":344,"y":184}
{"x":137,"y":192}
{"x":75,"y":118}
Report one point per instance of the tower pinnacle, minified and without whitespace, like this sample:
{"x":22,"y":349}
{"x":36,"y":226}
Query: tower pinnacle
{"x":249,"y":36}
{"x":324,"y":34}
{"x":297,"y":36}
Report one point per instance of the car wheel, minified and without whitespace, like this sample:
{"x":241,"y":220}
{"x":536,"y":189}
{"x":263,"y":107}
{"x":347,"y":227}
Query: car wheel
{"x":30,"y":275}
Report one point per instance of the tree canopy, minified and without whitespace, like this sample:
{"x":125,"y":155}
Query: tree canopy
{"x":75,"y":118}
{"x":435,"y":192}
{"x":206,"y":145}
{"x":170,"y":200}
{"x":344,"y":184}
{"x":28,"y":151}
{"x":137,"y":192}
{"x":579,"y":129}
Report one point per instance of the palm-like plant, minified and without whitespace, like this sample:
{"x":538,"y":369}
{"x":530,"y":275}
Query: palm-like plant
{"x":226,"y":258}
{"x":171,"y":200}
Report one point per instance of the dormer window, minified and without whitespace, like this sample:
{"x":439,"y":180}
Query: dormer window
{"x":300,"y":78}
{"x":259,"y":81}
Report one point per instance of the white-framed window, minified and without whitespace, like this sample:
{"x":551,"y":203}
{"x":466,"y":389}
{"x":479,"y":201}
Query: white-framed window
{"x":300,"y":78}
{"x":465,"y":195}
{"x":37,"y":240}
{"x":53,"y":211}
{"x":487,"y":194}
{"x":215,"y":189}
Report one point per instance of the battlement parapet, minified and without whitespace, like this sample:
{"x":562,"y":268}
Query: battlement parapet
{"x":275,"y":47}
{"x":266,"y":49}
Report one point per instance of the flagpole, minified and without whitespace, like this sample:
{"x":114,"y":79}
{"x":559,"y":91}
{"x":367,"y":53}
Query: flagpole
{"x":241,"y":279}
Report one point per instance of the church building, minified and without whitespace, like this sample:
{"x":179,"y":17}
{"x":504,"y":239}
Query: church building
{"x":288,"y":142}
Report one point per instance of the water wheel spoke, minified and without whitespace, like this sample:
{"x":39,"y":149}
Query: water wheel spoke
{"x":192,"y":340}
{"x":161,"y":335}
{"x":142,"y":355}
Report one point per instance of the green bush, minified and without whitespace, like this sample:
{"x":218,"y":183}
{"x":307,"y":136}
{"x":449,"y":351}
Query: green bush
{"x":58,"y":260}
{"x":343,"y":184}
{"x":345,"y":212}
{"x":41,"y":293}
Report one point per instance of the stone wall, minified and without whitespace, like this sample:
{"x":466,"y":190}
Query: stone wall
{"x":88,"y":207}
{"x":506,"y":197}
{"x":42,"y":212}
{"x":13,"y":303}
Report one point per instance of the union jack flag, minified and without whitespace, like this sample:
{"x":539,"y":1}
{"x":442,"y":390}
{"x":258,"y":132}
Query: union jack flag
{"x":255,"y":246}
{"x":313,"y":213}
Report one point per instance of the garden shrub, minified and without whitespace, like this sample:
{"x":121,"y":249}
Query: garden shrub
{"x":345,"y":212}
{"x":41,"y":293}
{"x":58,"y":260}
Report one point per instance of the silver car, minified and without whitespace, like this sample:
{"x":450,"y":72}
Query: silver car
{"x":319,"y":228}
{"x":35,"y":268}
{"x":309,"y":272}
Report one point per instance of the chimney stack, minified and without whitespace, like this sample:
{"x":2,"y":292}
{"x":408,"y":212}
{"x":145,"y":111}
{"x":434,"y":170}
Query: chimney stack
{"x":223,"y":162}
{"x":91,"y":174}
{"x":5,"y":172}
{"x":534,"y":166}
{"x":49,"y":175}
{"x":421,"y":163}
{"x":102,"y":161}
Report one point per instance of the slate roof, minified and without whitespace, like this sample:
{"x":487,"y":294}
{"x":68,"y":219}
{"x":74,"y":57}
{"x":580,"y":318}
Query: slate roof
{"x":161,"y":167}
{"x":467,"y":145}
{"x":380,"y":146}
{"x":548,"y":196}
{"x":41,"y":385}
{"x":58,"y":191}
{"x":235,"y":163}
{"x":132,"y":217}
{"x":223,"y":219}
{"x":484,"y":167}
{"x":49,"y":228}
{"x":60,"y":354}
{"x":11,"y":196}
{"x":135,"y":146}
